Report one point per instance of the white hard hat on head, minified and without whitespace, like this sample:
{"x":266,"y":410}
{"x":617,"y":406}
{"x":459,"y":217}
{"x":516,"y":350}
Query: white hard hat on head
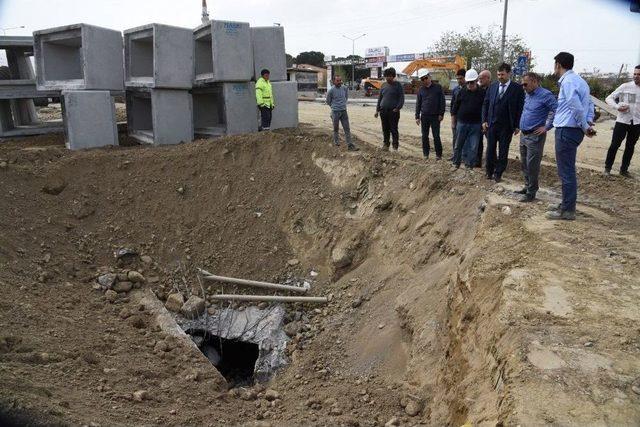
{"x":423,"y":73}
{"x":471,"y":75}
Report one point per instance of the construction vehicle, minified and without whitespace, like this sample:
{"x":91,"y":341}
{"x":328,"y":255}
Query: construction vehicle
{"x":446,"y":65}
{"x":372,"y":86}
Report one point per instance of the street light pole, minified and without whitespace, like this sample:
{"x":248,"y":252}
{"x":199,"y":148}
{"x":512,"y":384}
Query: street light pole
{"x":4,"y":30}
{"x":504,"y":30}
{"x":353,"y":53}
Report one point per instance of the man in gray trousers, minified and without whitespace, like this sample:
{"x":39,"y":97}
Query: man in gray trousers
{"x":337,"y":98}
{"x":537,"y":118}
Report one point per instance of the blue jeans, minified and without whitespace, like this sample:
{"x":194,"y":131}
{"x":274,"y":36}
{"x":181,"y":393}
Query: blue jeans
{"x":567,"y":142}
{"x":467,"y":138}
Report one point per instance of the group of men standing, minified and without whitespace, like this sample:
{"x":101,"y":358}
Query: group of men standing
{"x":501,"y":110}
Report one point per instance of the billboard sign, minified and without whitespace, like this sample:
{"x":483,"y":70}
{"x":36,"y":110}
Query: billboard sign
{"x":373,"y":52}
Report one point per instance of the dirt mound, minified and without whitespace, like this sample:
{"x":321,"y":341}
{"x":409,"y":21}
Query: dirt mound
{"x":448,"y":302}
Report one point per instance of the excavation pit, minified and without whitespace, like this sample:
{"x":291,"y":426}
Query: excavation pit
{"x":437,"y":300}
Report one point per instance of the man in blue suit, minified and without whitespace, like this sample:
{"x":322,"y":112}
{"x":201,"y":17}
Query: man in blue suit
{"x":501,"y":113}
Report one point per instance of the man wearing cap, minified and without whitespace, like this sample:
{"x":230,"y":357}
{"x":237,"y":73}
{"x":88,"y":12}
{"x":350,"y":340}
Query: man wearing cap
{"x":536,"y":120}
{"x":430,"y":106}
{"x":454,"y":93}
{"x":468,"y":112}
{"x":501,"y":113}
{"x":264,"y":98}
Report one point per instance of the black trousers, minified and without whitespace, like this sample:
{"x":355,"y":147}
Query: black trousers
{"x":390,"y":119}
{"x":430,"y":122}
{"x":620,"y":131}
{"x":498,"y":139}
{"x":265,"y":118}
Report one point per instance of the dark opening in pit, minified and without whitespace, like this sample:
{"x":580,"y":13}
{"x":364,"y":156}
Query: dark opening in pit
{"x":234,"y":359}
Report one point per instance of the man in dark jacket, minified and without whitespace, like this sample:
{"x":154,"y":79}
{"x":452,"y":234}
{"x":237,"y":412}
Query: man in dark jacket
{"x":501,"y":113}
{"x":468,"y":113}
{"x":390,"y":102}
{"x":430,"y":105}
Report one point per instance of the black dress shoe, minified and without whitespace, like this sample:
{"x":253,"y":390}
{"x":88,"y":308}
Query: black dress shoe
{"x":497,"y":178}
{"x":523,"y":191}
{"x":527,"y":198}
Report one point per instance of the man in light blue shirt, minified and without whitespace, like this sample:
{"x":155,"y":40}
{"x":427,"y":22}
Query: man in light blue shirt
{"x":537,"y":118}
{"x":573,"y":120}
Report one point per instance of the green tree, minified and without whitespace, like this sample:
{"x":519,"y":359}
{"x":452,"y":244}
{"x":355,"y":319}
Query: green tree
{"x":289,"y":60}
{"x":311,"y":58}
{"x":480,"y":49}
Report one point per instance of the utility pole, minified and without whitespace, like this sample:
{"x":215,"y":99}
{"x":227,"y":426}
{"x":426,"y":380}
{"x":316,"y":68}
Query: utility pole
{"x":504,"y":30}
{"x":353,"y":53}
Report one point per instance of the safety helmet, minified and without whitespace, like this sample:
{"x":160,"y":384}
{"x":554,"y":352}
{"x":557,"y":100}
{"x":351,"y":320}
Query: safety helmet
{"x":471,"y":75}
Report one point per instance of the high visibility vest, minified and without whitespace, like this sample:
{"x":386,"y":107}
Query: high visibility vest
{"x":264,"y":94}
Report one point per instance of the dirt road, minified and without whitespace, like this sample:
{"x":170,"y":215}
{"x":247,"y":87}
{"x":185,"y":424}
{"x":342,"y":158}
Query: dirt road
{"x":591,"y":154}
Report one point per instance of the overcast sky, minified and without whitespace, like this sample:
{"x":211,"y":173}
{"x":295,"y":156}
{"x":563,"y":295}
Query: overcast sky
{"x":602,"y":34}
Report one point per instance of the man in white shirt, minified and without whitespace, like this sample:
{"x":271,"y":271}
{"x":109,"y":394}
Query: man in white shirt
{"x":625,"y":99}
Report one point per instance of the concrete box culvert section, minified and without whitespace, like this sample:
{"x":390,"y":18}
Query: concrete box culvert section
{"x":240,"y":108}
{"x":208,"y":111}
{"x":223,"y":52}
{"x":285,"y":95}
{"x":89,"y":119}
{"x":159,"y":56}
{"x":261,"y":327}
{"x":80,"y":57}
{"x":269,"y":52}
{"x":160,"y":116}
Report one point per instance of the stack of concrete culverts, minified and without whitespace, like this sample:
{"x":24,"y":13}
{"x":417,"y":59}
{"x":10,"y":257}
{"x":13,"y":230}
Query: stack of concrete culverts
{"x":18,"y":91}
{"x":158,"y":78}
{"x":178,"y":82}
{"x":223,"y":95}
{"x":85,"y":63}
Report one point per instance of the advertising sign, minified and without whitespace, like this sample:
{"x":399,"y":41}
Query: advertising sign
{"x":372,"y":52}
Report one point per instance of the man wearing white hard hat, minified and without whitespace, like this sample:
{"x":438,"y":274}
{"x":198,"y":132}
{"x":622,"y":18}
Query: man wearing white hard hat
{"x":467,"y":109}
{"x":430,"y":106}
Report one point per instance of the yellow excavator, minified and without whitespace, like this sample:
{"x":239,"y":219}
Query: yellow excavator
{"x":447,"y":64}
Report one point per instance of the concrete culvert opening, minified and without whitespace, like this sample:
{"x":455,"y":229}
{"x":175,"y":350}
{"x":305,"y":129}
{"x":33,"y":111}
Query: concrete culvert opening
{"x":235,"y":359}
{"x":246,"y":346}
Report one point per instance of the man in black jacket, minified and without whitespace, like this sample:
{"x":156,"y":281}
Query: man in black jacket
{"x":430,"y":105}
{"x":467,"y":110}
{"x":390,"y":102}
{"x":501,"y":113}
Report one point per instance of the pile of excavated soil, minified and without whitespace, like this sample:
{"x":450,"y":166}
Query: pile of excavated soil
{"x":449,"y":301}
